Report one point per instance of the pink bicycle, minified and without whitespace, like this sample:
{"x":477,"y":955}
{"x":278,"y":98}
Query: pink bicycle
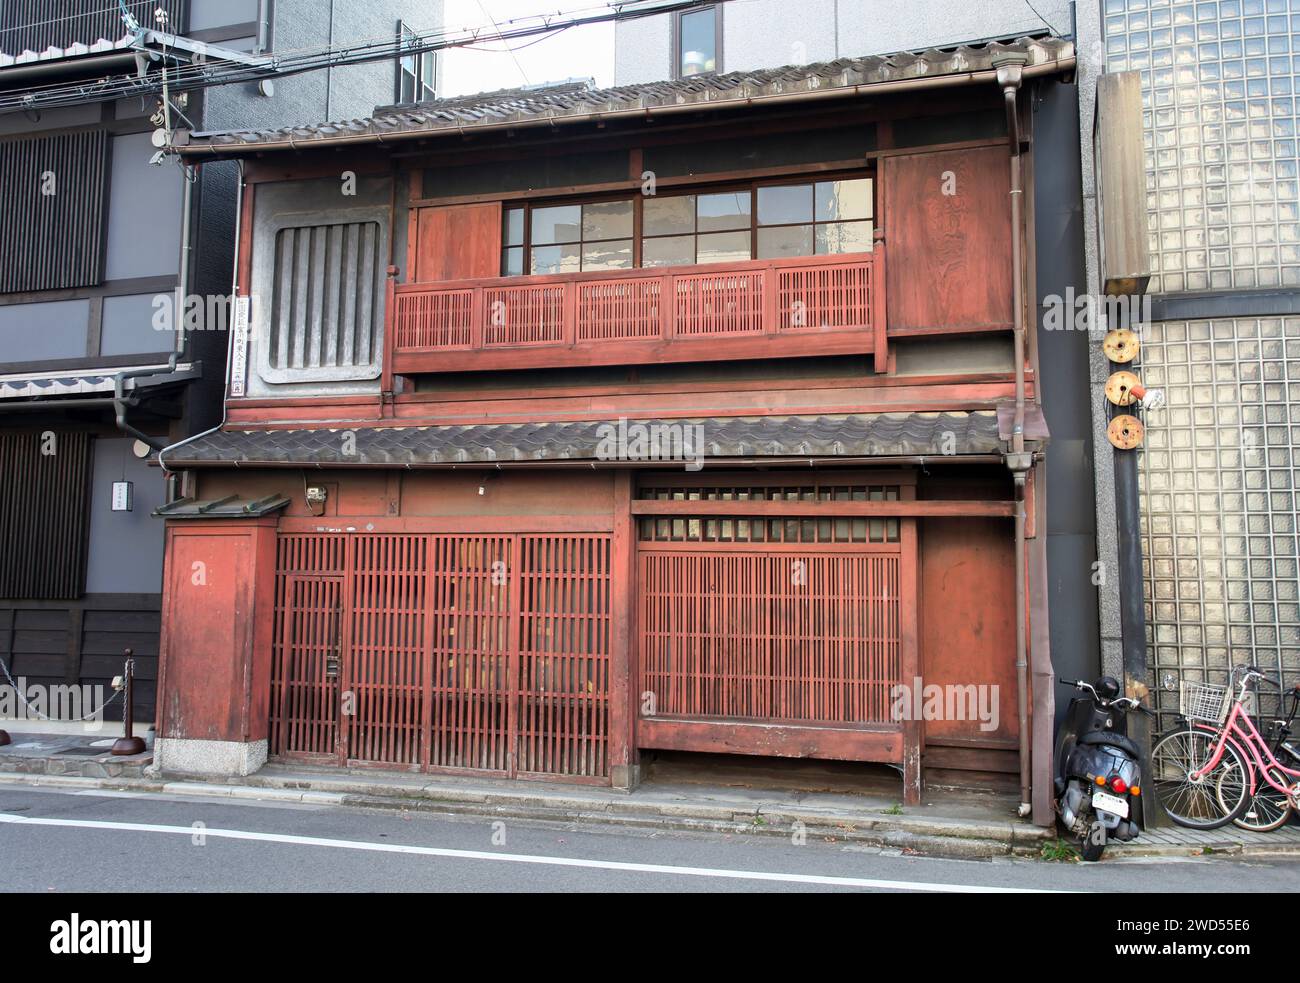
{"x":1208,"y":774}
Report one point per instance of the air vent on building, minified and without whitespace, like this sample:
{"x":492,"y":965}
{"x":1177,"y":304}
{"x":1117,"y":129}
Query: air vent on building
{"x":326,"y":305}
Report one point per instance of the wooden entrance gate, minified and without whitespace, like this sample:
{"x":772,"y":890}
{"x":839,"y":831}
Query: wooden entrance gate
{"x":444,"y":652}
{"x":776,"y":617}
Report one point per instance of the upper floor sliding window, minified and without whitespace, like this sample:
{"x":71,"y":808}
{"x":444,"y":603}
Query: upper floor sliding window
{"x":761,"y":221}
{"x":568,"y":238}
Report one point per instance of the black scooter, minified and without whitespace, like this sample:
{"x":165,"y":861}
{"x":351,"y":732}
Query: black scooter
{"x":1098,"y":774}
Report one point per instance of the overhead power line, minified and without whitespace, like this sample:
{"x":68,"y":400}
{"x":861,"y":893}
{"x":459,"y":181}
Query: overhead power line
{"x":207,"y":68}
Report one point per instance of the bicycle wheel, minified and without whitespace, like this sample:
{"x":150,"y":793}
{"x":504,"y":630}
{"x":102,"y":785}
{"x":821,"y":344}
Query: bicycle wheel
{"x":1266,"y":811}
{"x":1194,"y":802}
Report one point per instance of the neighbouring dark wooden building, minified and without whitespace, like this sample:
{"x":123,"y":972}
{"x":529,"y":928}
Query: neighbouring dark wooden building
{"x":429,"y":534}
{"x":102,"y":241}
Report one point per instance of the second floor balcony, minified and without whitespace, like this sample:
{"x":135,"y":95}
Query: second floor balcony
{"x":813,"y":305}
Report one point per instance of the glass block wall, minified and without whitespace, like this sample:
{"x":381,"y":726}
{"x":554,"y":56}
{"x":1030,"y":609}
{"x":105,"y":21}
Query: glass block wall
{"x":1219,"y":90}
{"x":1218,"y":479}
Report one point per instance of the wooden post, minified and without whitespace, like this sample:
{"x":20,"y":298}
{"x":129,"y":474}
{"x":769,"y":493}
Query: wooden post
{"x":623,"y":757}
{"x":390,"y":332}
{"x":909,"y":589}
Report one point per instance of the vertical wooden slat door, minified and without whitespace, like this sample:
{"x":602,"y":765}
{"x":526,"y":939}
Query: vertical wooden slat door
{"x":455,"y":653}
{"x":471,"y":601}
{"x":306,"y":656}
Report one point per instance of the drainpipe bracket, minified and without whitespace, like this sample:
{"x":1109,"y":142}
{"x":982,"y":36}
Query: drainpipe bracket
{"x":1019,"y":461}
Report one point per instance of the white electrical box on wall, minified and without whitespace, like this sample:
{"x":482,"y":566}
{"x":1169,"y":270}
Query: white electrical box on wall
{"x":121,"y":496}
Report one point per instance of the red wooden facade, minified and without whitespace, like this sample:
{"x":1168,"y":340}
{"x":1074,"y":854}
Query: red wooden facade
{"x":553,"y":622}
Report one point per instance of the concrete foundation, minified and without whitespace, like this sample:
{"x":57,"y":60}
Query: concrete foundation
{"x":233,"y":759}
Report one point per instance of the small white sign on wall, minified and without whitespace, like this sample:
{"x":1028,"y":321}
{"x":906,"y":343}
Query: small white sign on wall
{"x":121,"y":496}
{"x":239,"y":346}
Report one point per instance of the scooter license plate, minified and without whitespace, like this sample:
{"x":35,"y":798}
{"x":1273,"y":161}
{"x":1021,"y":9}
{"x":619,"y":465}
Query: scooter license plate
{"x":1105,"y":802}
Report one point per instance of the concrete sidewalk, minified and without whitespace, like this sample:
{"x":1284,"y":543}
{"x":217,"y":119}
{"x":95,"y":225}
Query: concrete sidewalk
{"x":949,"y":823}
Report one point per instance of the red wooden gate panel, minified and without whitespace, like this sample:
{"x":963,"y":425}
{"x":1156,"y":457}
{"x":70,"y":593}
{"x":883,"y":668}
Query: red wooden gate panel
{"x":783,"y":636}
{"x":470,"y":590}
{"x":305,"y":657}
{"x":385,"y":665}
{"x":448,"y":652}
{"x":564,"y":655}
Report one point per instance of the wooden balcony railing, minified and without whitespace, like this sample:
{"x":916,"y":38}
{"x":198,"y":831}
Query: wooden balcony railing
{"x":816,"y":305}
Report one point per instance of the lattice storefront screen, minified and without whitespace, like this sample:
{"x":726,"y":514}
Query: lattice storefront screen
{"x":1218,"y":498}
{"x":487,"y":653}
{"x":1219,"y":91}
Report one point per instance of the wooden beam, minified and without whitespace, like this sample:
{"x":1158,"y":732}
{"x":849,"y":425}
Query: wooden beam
{"x":866,"y":743}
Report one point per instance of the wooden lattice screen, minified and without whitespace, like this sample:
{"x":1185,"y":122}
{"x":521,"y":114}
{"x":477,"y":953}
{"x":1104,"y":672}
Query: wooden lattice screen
{"x":444,"y":652}
{"x":770,"y":634}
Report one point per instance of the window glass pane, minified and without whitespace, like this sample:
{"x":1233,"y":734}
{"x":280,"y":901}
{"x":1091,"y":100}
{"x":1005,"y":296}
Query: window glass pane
{"x":512,"y":261}
{"x":838,"y":200}
{"x":785,"y":204}
{"x":559,"y":223}
{"x":793,"y":240}
{"x":698,"y":44}
{"x":668,"y":216}
{"x":512,"y":231}
{"x":607,"y":220}
{"x":844,"y":237}
{"x":616,"y":255}
{"x":428,"y":69}
{"x":557,"y":259}
{"x":725,"y":210}
{"x":668,"y":251}
{"x":723,"y":247}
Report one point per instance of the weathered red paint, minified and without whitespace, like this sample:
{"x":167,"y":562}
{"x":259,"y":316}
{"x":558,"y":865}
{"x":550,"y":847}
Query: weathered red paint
{"x":218,"y":600}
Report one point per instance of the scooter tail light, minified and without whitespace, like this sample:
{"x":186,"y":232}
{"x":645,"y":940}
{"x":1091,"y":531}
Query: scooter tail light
{"x":1119,"y":785}
{"x":1134,"y":790}
{"x":1101,"y":781}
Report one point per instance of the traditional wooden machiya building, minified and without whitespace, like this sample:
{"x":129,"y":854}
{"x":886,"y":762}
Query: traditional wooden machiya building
{"x":571,"y":424}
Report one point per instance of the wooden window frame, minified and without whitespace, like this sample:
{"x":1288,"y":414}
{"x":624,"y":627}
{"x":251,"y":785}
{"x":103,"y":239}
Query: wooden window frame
{"x":751,"y":185}
{"x":676,"y":52}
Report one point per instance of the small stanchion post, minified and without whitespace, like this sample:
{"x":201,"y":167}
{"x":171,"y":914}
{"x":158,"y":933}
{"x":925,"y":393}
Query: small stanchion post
{"x":4,"y":734}
{"x":128,"y":743}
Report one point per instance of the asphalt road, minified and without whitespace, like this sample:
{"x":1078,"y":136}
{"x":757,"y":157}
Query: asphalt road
{"x":55,"y":840}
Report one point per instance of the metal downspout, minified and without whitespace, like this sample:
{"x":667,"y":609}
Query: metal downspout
{"x":121,"y":402}
{"x":234,"y":299}
{"x":1010,"y":73}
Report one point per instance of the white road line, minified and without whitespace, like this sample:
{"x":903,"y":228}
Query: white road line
{"x":518,"y":858}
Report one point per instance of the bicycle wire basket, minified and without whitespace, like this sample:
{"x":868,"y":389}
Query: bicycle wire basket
{"x":1206,"y":702}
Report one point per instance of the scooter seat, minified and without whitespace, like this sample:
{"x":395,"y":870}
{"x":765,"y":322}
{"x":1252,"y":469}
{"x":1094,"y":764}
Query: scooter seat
{"x":1111,"y":739}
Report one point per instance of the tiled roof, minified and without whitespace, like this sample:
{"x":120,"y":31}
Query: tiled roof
{"x":230,"y":507}
{"x":102,"y":46}
{"x":86,"y":381}
{"x":862,"y":435}
{"x":571,"y":101}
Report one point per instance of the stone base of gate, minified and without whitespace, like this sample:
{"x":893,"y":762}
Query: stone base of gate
{"x":227,"y":759}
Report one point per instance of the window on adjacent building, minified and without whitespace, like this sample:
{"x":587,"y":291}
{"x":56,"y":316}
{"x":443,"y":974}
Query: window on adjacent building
{"x":697,"y":42}
{"x":417,"y":73}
